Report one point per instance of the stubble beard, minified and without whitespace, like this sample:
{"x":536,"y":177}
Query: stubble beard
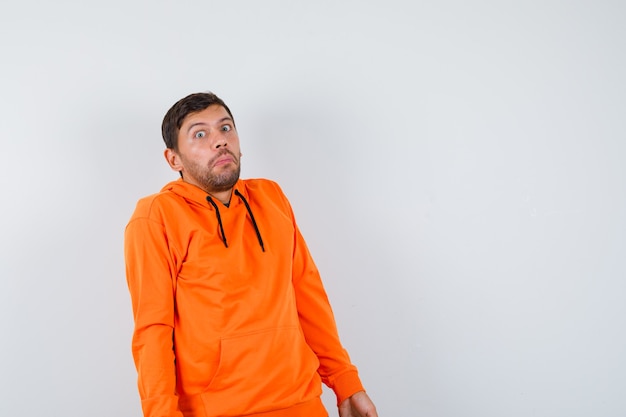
{"x":210,"y":181}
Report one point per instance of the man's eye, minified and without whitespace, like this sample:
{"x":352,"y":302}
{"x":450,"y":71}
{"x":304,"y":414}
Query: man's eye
{"x":200,"y":134}
{"x":226,"y":128}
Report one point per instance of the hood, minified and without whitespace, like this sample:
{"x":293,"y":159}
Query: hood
{"x":197,"y":195}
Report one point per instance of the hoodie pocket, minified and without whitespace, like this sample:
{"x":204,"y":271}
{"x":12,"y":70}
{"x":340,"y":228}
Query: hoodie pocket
{"x":262,"y":370}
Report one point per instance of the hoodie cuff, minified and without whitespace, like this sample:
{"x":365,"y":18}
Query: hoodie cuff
{"x":163,"y":405}
{"x":347,"y":385}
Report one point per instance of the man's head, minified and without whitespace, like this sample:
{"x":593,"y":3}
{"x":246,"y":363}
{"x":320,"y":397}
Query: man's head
{"x":202,"y":143}
{"x":176,"y":114}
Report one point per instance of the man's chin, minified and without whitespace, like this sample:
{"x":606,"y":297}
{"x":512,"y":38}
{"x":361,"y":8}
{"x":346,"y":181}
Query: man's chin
{"x":224,"y":183}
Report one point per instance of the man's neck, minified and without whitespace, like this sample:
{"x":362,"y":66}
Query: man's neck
{"x":223,"y":196}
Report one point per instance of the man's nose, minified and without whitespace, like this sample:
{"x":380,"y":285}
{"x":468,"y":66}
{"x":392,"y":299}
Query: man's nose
{"x":220,"y":142}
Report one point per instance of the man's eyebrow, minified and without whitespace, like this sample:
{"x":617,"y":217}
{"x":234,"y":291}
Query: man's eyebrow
{"x":222,"y":120}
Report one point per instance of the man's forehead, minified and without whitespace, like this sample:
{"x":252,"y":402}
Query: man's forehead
{"x":213,"y":112}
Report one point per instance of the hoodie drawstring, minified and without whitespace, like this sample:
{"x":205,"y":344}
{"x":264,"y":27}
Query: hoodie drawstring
{"x":256,"y":228}
{"x":219,"y":219}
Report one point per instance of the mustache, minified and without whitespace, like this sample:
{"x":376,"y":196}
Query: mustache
{"x":222,"y":153}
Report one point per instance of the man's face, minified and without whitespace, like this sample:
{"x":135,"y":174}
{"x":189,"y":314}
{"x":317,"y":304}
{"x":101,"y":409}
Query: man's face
{"x":208,"y":150}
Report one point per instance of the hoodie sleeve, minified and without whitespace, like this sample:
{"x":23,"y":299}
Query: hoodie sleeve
{"x":149,"y":271}
{"x":319,"y":327}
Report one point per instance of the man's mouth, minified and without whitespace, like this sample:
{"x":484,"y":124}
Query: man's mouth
{"x":224,"y":159}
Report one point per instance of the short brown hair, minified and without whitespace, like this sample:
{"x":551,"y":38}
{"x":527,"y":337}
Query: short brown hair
{"x":175,"y":116}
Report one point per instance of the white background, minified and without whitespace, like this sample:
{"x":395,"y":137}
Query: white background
{"x":457,"y":168}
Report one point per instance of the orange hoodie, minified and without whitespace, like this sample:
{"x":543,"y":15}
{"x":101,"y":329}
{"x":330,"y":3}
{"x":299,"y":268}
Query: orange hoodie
{"x":231,"y":317}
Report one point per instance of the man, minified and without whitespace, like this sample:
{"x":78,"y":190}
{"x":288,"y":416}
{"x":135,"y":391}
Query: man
{"x":231,"y":317}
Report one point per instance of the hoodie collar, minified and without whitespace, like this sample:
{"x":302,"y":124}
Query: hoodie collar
{"x":198,"y":195}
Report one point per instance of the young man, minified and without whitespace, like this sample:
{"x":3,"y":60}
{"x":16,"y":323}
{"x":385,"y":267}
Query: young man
{"x":231,"y":317}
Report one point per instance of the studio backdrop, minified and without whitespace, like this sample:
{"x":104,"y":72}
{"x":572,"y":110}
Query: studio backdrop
{"x":457,"y":168}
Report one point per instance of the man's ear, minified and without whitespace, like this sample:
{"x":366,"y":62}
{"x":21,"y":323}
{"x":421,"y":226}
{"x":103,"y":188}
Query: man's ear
{"x":173,"y":159}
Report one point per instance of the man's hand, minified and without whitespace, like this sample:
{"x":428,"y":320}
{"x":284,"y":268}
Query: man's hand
{"x":359,"y":405}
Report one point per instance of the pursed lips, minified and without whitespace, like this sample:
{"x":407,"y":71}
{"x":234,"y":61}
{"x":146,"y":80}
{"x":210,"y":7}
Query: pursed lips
{"x":223,"y":159}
